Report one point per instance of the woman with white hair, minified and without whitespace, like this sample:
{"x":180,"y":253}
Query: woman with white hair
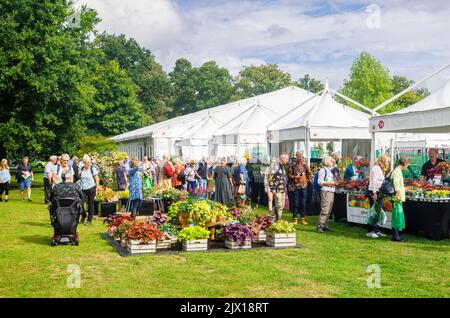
{"x":62,"y":169}
{"x":90,"y":184}
{"x":49,"y":168}
{"x":327,"y":182}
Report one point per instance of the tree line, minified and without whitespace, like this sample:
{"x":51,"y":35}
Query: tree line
{"x":61,"y":84}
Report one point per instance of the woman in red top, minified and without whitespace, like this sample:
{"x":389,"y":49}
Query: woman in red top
{"x":177,"y":181}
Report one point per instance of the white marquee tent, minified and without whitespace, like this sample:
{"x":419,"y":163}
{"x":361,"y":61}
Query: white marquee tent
{"x":321,"y":117}
{"x":186,"y":135}
{"x":246,"y":131}
{"x":430,"y":115}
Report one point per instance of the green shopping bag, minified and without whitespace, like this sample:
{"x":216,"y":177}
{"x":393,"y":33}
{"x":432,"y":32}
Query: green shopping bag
{"x":398,"y":217}
{"x":373,"y":214}
{"x":376,"y":215}
{"x":147,"y":183}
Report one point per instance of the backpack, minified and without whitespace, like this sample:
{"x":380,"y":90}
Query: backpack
{"x":316,"y":185}
{"x":168,"y":170}
{"x":80,"y":170}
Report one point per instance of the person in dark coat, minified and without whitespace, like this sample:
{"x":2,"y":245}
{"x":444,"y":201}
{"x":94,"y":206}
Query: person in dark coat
{"x":224,"y":181}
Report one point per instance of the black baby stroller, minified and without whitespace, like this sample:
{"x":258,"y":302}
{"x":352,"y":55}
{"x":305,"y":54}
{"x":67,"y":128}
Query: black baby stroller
{"x":64,"y":215}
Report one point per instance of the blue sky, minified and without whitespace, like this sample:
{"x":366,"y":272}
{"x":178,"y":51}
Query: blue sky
{"x":321,"y":38}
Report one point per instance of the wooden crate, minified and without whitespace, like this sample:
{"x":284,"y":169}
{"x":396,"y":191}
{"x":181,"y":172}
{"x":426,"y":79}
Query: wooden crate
{"x":164,"y":244}
{"x":135,"y":248}
{"x":195,"y":245}
{"x":261,"y":236}
{"x":281,"y":240}
{"x":234,"y":246}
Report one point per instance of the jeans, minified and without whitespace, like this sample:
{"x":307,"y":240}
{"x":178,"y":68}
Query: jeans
{"x":300,"y":202}
{"x":89,"y":196}
{"x":203,"y":183}
{"x":369,"y":194}
{"x":47,"y":189}
{"x":136,"y":205}
{"x":192,"y":187}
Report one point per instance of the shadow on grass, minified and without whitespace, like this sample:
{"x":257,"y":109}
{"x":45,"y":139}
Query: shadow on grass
{"x":37,"y":239}
{"x":40,"y":224}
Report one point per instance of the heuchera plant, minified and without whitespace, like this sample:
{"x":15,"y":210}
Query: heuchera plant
{"x":144,"y":233}
{"x":157,"y":219}
{"x":282,"y":227}
{"x":238,"y":233}
{"x":193,"y":233}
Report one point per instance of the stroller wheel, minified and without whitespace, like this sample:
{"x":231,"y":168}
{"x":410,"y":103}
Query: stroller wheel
{"x":76,"y":242}
{"x":54,"y":242}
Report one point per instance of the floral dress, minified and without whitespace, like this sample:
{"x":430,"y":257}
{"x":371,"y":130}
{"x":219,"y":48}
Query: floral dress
{"x":135,"y":176}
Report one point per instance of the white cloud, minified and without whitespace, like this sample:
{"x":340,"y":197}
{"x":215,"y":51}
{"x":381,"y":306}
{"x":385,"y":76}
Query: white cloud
{"x":317,"y":37}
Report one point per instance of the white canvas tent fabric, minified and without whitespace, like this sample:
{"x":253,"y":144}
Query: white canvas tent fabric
{"x":325,"y":119}
{"x":430,"y":115}
{"x":249,"y":127}
{"x":320,"y":118}
{"x":187,"y":128}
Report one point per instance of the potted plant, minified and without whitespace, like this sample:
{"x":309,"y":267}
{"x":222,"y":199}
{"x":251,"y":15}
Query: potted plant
{"x":141,"y":238}
{"x":170,"y":237}
{"x":238,"y":236}
{"x":194,"y":238}
{"x":123,"y":197}
{"x":114,"y":221}
{"x":121,"y":230}
{"x":260,"y":226}
{"x":281,"y":234}
{"x":108,"y":202}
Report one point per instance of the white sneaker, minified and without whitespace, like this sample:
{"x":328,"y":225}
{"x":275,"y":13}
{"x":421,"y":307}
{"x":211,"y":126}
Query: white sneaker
{"x":380,"y":234}
{"x":372,"y":235}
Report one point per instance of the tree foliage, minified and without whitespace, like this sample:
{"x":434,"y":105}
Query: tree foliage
{"x":154,"y":88}
{"x":369,"y":82}
{"x":96,"y":144}
{"x":310,"y":84}
{"x":199,"y":88}
{"x":43,"y":77}
{"x":256,"y":80}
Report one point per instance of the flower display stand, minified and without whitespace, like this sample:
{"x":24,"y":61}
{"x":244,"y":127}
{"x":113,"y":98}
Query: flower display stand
{"x":134,"y":247}
{"x":195,"y":245}
{"x":164,"y":244}
{"x":234,"y":246}
{"x":281,"y":240}
{"x":261,"y":236}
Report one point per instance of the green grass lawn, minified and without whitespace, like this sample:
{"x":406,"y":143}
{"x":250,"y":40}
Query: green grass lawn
{"x":332,"y":264}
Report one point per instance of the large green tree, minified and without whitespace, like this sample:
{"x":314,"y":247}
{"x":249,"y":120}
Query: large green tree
{"x":116,"y":108}
{"x":44,"y":76}
{"x":256,"y":80}
{"x":154,"y":88}
{"x":310,"y":84}
{"x":213,"y":85}
{"x":369,"y":82}
{"x":197,"y":88}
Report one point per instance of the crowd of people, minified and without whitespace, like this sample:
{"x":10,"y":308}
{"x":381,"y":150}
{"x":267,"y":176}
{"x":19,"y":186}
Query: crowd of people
{"x":226,"y":180}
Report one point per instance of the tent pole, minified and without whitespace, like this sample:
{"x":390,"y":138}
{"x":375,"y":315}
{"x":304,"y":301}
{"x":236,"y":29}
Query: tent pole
{"x":307,"y":150}
{"x":393,"y":151}
{"x":372,"y":150}
{"x":409,"y":88}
